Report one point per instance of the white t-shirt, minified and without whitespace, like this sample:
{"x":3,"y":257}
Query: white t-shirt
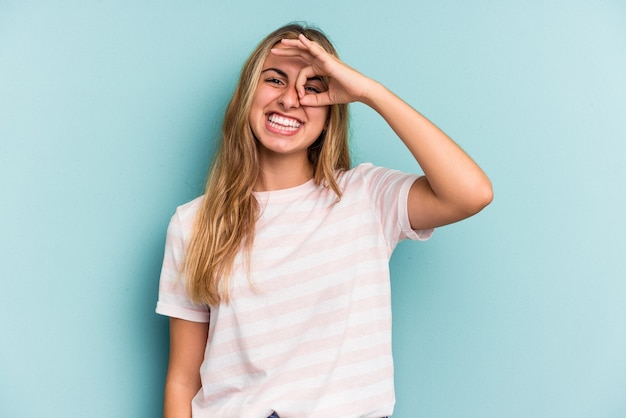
{"x":308,"y":332}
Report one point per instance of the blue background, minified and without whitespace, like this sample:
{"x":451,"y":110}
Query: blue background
{"x":108,"y":115}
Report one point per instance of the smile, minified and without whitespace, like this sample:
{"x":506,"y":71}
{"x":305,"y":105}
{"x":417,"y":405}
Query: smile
{"x":283,"y":123}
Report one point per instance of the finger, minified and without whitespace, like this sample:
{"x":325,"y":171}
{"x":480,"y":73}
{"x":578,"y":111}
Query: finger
{"x":305,"y":44}
{"x":313,"y":47}
{"x":303,"y":77}
{"x":292,"y":43}
{"x":320,"y":99}
{"x":292,"y":52}
{"x":305,"y":41}
{"x":307,"y":98}
{"x":302,"y":42}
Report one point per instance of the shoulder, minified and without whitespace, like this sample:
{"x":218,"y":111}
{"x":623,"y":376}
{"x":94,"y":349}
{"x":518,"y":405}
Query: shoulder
{"x":185,"y":213}
{"x":190,"y":207}
{"x":368,"y":173}
{"x":356,"y":173}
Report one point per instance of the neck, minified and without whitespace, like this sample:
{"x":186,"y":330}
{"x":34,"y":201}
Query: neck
{"x":283,"y":174}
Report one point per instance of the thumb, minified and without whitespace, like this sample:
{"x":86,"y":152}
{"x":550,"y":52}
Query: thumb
{"x":319,"y":99}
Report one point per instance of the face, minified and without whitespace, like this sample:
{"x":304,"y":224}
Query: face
{"x":282,"y":126}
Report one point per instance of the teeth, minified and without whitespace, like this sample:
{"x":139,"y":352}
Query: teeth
{"x":282,"y":122}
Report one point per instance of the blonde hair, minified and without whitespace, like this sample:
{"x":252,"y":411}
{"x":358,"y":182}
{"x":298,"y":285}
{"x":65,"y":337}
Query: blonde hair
{"x":225,"y":222}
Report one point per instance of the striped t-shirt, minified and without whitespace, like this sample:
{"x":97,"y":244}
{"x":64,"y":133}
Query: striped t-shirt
{"x":307,"y":332}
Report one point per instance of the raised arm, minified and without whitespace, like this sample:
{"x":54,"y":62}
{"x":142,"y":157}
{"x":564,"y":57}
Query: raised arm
{"x":454,"y":186}
{"x":187,"y":345}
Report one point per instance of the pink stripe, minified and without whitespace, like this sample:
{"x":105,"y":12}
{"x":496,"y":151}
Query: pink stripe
{"x":217,"y":350}
{"x":289,"y":379}
{"x":229,"y":321}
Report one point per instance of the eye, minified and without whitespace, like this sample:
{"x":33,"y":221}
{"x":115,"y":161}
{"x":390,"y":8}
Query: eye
{"x":314,"y":85}
{"x":273,"y":80}
{"x":312,"y":89}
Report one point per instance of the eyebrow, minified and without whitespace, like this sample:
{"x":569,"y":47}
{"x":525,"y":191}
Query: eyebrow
{"x":284,"y":74}
{"x":280,"y":72}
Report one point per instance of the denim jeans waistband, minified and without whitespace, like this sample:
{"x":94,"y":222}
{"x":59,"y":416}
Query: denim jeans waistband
{"x":275,"y":415}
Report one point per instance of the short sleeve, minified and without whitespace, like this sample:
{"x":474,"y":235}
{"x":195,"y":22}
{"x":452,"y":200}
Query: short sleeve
{"x":173,"y":300}
{"x":389,"y":191}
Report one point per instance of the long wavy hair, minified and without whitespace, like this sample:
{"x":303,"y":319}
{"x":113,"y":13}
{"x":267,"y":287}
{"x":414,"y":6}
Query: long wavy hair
{"x":225,"y":222}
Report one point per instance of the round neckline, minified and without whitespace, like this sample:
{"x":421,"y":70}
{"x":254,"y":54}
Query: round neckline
{"x":289,"y":192}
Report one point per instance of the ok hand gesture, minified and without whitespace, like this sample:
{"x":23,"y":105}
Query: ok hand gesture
{"x":346,"y":85}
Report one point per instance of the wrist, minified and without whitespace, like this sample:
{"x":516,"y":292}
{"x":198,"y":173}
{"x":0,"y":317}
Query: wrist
{"x":374,"y":95}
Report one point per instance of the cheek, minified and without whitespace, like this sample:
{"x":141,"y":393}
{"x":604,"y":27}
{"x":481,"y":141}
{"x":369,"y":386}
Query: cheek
{"x":320,"y":116}
{"x":256,"y":110}
{"x":259,"y":98}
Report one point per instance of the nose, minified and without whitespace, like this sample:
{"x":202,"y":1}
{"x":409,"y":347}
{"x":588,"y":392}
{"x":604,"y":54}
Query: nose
{"x":289,"y":99}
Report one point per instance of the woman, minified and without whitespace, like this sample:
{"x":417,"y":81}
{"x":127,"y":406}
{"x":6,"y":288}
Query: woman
{"x":276,"y":281}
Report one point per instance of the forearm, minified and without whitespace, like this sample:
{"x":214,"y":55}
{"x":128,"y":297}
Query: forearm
{"x":452,"y":175}
{"x":187,"y":344}
{"x":177,"y":403}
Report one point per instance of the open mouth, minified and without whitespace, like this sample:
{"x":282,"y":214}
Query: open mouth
{"x":283,"y":123}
